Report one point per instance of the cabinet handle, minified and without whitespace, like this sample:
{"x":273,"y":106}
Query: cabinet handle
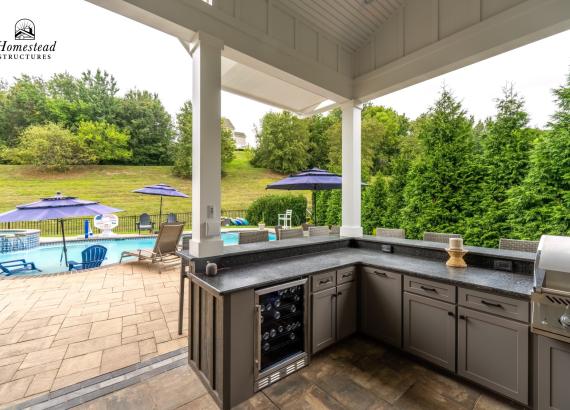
{"x":497,"y":305}
{"x":339,"y":294}
{"x":383,"y":274}
{"x":323,"y":281}
{"x":428,"y":289}
{"x":333,"y":296}
{"x":451,"y":314}
{"x":347,"y":275}
{"x":462,"y":317}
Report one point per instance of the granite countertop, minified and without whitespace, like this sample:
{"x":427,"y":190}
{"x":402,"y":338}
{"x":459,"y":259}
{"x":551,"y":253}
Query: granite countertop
{"x":281,"y":270}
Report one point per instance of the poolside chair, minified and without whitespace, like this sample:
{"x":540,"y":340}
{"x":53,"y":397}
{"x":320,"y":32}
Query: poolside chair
{"x":165,"y":247}
{"x":145,"y":223}
{"x":391,"y":233}
{"x":518,"y":245}
{"x":17,"y":266}
{"x":92,"y":257}
{"x":440,"y":237}
{"x":290,"y":233}
{"x":172,"y":218}
{"x":306,"y":226}
{"x":252,"y":236}
{"x":285,"y":219}
{"x":319,"y":230}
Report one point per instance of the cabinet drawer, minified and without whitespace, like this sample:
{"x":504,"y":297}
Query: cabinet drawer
{"x":435,"y":290}
{"x":345,"y":275}
{"x":325,"y":280}
{"x":498,"y":305}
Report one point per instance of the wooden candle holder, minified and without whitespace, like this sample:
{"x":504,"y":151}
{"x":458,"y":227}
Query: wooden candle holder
{"x":456,"y":258}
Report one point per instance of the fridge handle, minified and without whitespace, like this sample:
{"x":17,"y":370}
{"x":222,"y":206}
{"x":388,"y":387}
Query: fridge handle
{"x":258,"y":337}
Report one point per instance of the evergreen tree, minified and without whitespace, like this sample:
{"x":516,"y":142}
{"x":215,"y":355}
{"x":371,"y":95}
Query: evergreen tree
{"x":439,"y":188}
{"x":506,"y":142}
{"x":144,"y":118}
{"x":541,"y":204}
{"x":183,"y":147}
{"x":283,"y":143}
{"x":374,"y":201}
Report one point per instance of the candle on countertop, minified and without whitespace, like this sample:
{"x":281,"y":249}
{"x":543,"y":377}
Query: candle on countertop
{"x":456,"y":243}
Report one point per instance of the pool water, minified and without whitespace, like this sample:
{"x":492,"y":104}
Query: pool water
{"x":48,"y":258}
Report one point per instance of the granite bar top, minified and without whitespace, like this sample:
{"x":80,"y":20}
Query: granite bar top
{"x":315,"y":240}
{"x":257,"y":275}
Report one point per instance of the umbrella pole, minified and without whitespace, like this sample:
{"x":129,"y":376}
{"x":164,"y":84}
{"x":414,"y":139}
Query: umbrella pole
{"x":160,"y":213}
{"x":315,"y":208}
{"x":64,"y":244}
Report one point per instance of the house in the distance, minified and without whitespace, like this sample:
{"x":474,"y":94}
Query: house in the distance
{"x":239,"y":137}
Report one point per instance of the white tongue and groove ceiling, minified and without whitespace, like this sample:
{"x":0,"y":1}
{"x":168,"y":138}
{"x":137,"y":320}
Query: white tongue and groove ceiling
{"x":350,"y":21}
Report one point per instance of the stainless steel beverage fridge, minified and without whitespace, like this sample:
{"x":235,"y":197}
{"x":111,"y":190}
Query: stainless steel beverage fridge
{"x":281,"y":336}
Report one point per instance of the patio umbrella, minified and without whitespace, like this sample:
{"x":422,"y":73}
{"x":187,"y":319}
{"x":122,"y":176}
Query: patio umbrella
{"x":162,"y":190}
{"x":314,"y":179}
{"x":57,"y":207}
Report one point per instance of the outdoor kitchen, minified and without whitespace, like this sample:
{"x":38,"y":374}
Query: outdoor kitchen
{"x":500,"y":322}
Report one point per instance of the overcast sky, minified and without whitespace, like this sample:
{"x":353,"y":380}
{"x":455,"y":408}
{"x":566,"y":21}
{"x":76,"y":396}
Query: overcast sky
{"x":89,"y":37}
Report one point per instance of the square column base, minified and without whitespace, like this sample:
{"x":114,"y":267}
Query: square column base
{"x":210,"y":247}
{"x":354,"y":231}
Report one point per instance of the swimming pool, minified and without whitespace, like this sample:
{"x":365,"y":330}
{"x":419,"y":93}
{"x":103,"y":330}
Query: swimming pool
{"x":48,"y":257}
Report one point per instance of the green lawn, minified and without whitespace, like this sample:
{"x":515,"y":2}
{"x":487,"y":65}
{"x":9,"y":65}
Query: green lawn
{"x":112,"y":185}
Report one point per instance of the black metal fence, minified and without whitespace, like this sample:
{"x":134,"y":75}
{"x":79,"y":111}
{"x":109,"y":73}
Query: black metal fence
{"x":127,"y":223}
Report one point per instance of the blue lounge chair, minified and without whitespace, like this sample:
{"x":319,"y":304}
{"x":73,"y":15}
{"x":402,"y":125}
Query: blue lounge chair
{"x":17,"y":266}
{"x":91,"y":257}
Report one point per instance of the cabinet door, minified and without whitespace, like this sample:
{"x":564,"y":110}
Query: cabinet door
{"x":346,"y":309}
{"x":324,"y":319}
{"x":493,"y":352}
{"x":429,"y":329}
{"x":553,"y":374}
{"x":381,"y":298}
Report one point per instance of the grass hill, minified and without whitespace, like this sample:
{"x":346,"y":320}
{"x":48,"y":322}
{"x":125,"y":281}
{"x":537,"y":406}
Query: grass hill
{"x":112,"y":185}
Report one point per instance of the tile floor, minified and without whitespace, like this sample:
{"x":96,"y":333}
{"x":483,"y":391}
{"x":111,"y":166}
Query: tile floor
{"x":59,"y":330}
{"x":356,"y":374}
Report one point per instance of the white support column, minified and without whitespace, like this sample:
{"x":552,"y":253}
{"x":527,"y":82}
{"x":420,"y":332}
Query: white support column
{"x":351,"y":178}
{"x":206,"y":145}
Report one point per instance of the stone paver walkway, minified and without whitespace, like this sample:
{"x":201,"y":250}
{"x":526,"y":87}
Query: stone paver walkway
{"x":56,"y":331}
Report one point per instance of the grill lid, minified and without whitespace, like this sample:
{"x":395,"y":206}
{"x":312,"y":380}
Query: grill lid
{"x":552,"y":266}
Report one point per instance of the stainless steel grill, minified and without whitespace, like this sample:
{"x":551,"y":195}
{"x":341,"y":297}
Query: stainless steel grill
{"x":551,"y":296}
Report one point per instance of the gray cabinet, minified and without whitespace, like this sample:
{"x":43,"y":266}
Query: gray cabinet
{"x":493,"y":351}
{"x":553,"y":374}
{"x":334,"y":309}
{"x":346,"y":300}
{"x":323,"y":319}
{"x":429,"y":329}
{"x":381,"y":305}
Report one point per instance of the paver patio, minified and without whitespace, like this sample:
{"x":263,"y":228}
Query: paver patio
{"x":59,"y":330}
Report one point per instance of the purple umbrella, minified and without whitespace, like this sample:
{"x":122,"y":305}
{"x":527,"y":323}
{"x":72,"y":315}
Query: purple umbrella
{"x":56,"y":207}
{"x":314,"y":179}
{"x":162,"y":190}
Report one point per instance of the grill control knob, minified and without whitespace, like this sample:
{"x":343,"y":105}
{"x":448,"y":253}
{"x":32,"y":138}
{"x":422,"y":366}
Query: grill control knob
{"x":565,"y":318}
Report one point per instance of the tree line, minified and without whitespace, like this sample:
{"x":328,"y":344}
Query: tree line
{"x":442,"y":172}
{"x":68,"y":121}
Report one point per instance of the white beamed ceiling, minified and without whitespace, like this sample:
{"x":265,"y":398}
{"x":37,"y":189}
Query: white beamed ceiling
{"x":350,"y":21}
